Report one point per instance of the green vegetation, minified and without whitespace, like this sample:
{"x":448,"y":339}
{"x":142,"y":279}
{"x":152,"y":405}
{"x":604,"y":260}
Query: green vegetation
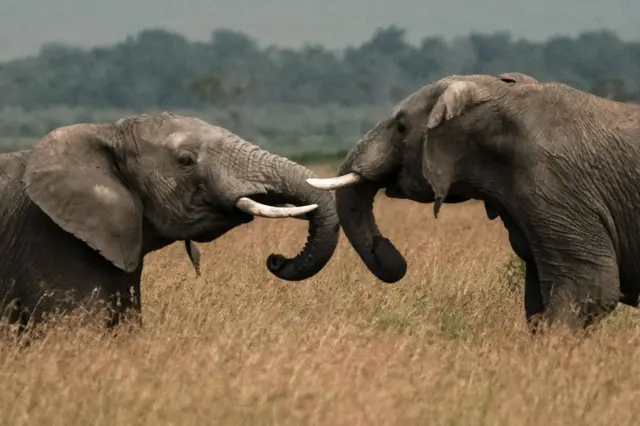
{"x":290,"y":101}
{"x":298,"y":132}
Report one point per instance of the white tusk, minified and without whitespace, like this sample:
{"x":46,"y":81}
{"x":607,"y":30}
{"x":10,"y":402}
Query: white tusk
{"x":343,"y":181}
{"x":303,"y":217}
{"x":254,"y":208}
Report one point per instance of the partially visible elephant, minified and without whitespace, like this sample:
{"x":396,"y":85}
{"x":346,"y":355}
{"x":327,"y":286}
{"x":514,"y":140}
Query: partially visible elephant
{"x":80,"y":211}
{"x":559,"y":166}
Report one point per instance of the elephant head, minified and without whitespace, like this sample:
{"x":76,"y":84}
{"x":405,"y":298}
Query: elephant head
{"x":136,"y":185}
{"x":421,"y":151}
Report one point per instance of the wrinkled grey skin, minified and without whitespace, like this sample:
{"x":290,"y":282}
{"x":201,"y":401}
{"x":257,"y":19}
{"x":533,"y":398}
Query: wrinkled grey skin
{"x":80,"y":211}
{"x":559,"y":166}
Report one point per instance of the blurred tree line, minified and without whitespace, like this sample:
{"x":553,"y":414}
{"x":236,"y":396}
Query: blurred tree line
{"x":162,"y":69}
{"x":240,"y":83}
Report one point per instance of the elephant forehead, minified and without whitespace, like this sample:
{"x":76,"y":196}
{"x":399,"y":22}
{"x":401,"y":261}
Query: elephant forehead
{"x":425,"y":97}
{"x":194,"y":135}
{"x":176,"y":139}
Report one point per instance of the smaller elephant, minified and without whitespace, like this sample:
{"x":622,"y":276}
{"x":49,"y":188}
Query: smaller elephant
{"x":80,"y":210}
{"x":559,"y":166}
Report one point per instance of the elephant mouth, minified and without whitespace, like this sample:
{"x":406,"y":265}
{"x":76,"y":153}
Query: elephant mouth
{"x":423,"y":197}
{"x":392,"y":188}
{"x":394,"y":191}
{"x":423,"y":194}
{"x":246,"y":208}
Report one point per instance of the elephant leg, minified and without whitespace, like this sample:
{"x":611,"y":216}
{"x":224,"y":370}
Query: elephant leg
{"x":23,"y":322}
{"x":137,"y":297}
{"x":126,"y":303}
{"x":17,"y":314}
{"x":121,"y":308}
{"x":114,"y":311}
{"x":579,"y":293}
{"x":577,"y":267}
{"x":533,"y":302}
{"x":132,"y":309}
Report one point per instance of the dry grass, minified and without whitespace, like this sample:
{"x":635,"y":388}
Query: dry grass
{"x":447,"y":345}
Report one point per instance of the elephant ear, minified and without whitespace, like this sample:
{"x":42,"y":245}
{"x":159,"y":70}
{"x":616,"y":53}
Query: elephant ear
{"x":458,"y":96}
{"x":71,"y":175}
{"x":438,"y":161}
{"x":517,"y":78}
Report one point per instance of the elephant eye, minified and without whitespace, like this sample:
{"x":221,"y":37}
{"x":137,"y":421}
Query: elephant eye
{"x":187,"y":158}
{"x":400,"y":127}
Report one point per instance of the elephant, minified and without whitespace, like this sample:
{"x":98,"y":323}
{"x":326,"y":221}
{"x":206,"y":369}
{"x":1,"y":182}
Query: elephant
{"x":81,"y":209}
{"x":559,"y":166}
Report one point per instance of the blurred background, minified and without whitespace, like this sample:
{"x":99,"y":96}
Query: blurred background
{"x":302,"y":78}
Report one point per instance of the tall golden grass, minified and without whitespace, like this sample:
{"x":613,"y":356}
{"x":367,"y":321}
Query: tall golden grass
{"x":448,"y":345}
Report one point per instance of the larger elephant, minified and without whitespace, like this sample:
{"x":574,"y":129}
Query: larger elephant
{"x":80,"y":211}
{"x":559,"y":166}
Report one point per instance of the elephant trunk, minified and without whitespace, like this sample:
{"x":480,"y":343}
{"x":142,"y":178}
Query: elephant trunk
{"x":367,"y":168}
{"x":287,"y":183}
{"x":355,"y":209}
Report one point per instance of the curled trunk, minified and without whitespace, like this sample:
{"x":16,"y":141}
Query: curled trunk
{"x":375,"y":162}
{"x":355,"y":209}
{"x":288,"y":184}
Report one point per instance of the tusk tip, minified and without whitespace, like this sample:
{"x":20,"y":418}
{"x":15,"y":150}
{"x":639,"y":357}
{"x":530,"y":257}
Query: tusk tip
{"x":305,"y":209}
{"x":329,"y":184}
{"x":257,"y":209}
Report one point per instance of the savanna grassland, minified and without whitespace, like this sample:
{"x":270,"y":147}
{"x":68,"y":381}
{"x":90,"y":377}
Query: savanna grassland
{"x":447,"y":345}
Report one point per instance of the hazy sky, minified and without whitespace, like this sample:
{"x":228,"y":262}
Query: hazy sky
{"x":25,"y":24}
